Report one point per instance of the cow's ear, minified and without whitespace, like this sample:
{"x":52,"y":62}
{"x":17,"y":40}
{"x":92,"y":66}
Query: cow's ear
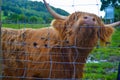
{"x":105,"y":34}
{"x":58,"y":24}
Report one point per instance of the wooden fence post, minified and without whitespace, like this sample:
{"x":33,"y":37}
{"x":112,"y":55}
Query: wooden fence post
{"x":118,"y":77}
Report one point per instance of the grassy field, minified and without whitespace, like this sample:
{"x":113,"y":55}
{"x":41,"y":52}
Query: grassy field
{"x":19,"y":26}
{"x":107,"y":57}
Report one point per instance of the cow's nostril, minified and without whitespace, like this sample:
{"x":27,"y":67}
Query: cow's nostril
{"x":85,"y":17}
{"x":93,"y":19}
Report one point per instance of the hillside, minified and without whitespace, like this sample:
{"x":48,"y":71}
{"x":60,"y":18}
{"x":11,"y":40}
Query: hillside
{"x":27,"y":11}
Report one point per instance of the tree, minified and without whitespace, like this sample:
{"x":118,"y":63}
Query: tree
{"x":23,"y":18}
{"x":13,"y":17}
{"x":24,"y":10}
{"x":117,"y":14}
{"x":40,"y":20}
{"x":115,"y":4}
{"x":5,"y":13}
{"x":105,"y":3}
{"x":33,"y":19}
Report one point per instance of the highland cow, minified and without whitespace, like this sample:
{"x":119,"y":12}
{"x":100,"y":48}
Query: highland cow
{"x":56,"y":52}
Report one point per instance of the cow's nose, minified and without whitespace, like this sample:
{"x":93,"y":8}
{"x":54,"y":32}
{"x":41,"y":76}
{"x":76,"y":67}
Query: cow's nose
{"x":89,"y":20}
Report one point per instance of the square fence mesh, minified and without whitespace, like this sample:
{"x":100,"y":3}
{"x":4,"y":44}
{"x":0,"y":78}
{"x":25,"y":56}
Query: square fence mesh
{"x":66,"y":50}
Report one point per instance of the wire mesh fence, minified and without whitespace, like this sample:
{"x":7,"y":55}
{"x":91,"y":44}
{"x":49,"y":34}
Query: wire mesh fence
{"x":40,"y":54}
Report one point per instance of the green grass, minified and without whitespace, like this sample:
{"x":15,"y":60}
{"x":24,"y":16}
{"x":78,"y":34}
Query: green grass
{"x":105,"y":70}
{"x":19,"y":26}
{"x":116,"y":38}
{"x":101,"y":71}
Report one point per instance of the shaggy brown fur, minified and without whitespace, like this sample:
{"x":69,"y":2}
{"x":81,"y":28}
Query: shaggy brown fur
{"x":13,"y":41}
{"x":59,"y":51}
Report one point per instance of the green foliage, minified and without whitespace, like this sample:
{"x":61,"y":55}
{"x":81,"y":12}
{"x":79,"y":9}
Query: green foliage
{"x":17,"y":10}
{"x":117,"y":14}
{"x":107,"y":69}
{"x":115,"y":4}
{"x":33,"y":19}
{"x":106,"y":3}
{"x":5,"y":13}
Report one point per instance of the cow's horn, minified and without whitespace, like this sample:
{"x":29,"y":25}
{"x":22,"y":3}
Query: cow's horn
{"x":53,"y":13}
{"x":114,"y":24}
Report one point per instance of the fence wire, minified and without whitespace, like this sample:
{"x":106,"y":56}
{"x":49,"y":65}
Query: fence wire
{"x":18,"y":55}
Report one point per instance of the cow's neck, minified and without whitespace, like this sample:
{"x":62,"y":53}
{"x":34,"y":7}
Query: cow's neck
{"x":83,"y":41}
{"x":86,"y":37}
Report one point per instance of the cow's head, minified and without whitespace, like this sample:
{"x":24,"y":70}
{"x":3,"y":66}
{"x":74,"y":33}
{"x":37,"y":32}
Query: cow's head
{"x":82,"y":25}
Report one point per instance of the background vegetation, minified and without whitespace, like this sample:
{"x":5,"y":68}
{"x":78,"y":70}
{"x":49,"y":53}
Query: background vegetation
{"x":104,"y":60}
{"x":25,"y":11}
{"x":115,"y":4}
